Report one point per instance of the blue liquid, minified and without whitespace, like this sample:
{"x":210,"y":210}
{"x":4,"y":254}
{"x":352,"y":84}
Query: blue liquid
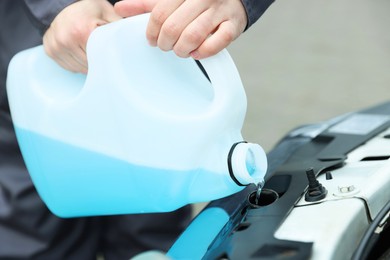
{"x":77,"y":182}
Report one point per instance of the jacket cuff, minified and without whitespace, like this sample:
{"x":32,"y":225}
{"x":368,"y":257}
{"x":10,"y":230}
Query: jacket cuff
{"x":254,"y":9}
{"x":43,"y":12}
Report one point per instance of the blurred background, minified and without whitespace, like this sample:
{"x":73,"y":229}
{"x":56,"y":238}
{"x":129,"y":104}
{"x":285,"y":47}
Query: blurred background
{"x":307,"y":61}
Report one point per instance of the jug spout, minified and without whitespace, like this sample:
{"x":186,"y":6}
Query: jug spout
{"x":247,"y":163}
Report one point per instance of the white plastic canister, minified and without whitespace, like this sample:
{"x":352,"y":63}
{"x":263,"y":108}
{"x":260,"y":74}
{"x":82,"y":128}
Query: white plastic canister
{"x":144,"y":131}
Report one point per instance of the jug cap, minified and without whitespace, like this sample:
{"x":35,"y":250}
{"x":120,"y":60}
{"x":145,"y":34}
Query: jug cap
{"x":247,"y":163}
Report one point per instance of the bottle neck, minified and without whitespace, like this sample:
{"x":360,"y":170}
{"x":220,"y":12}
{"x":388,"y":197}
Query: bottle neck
{"x":247,"y":163}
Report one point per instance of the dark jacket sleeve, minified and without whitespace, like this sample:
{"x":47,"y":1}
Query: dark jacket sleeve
{"x":254,"y":9}
{"x":43,"y":12}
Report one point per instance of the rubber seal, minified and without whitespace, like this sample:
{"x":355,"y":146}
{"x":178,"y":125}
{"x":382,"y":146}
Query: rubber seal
{"x":229,"y":162}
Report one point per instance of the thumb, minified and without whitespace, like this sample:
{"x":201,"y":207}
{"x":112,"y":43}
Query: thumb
{"x":128,"y":8}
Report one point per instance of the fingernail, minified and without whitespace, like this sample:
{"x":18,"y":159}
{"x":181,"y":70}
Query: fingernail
{"x":195,"y":55}
{"x":152,"y":43}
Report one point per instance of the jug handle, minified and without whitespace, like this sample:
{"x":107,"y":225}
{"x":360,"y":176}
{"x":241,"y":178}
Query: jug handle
{"x":220,"y":68}
{"x":224,"y":78}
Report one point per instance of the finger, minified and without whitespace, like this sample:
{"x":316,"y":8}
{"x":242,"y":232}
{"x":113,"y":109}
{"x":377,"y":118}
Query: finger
{"x":74,"y":56}
{"x":108,"y":12}
{"x":222,"y":37}
{"x":176,"y":24}
{"x":71,"y":63}
{"x":158,"y":16}
{"x":111,"y":17}
{"x":67,"y":62}
{"x":197,"y":32}
{"x":128,"y":8}
{"x":80,"y":57}
{"x":63,"y":57}
{"x":48,"y":43}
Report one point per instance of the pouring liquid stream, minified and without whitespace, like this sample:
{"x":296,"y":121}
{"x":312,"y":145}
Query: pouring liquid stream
{"x":260,"y":186}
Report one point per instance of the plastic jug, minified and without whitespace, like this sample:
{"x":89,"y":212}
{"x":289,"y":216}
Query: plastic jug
{"x":144,"y":131}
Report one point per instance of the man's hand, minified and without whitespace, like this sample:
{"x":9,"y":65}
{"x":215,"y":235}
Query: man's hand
{"x":197,"y":28}
{"x":65,"y":40}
